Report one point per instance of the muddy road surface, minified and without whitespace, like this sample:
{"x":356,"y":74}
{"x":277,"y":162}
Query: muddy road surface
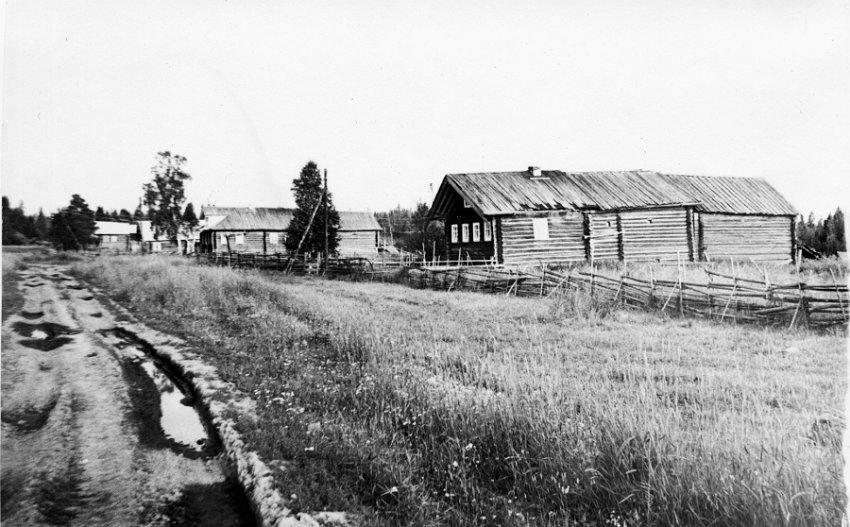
{"x":94,"y":431}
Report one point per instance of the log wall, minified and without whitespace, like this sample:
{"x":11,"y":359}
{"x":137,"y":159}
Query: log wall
{"x":604,"y":236}
{"x":480,"y":250}
{"x":655,"y":234}
{"x":565,"y":243}
{"x":762,"y":238}
{"x":253,"y":243}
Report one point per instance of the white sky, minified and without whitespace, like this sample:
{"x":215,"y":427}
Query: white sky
{"x":390,"y":96}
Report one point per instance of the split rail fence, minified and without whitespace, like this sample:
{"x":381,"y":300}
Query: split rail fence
{"x":722,"y":297}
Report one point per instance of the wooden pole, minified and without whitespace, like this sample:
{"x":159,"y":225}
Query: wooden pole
{"x":303,"y":236}
{"x":325,"y":206}
{"x":838,"y":294}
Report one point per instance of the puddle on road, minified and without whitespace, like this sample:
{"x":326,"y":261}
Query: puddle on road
{"x":178,"y":421}
{"x":163,"y":405}
{"x":46,"y":336}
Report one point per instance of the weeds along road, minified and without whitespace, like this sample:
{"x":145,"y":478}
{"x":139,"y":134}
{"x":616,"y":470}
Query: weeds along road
{"x":81,"y":441}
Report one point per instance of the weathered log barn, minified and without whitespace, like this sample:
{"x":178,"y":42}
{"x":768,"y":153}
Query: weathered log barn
{"x":244,"y":229}
{"x":548,"y":216}
{"x":116,"y":236}
{"x":359,"y":234}
{"x":263,"y":230}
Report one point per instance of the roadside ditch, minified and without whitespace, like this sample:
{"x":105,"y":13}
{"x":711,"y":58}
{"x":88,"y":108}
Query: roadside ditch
{"x":197,"y":411}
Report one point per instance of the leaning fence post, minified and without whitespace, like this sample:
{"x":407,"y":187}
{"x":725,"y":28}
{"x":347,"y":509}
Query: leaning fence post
{"x":681,"y":295}
{"x":838,"y":295}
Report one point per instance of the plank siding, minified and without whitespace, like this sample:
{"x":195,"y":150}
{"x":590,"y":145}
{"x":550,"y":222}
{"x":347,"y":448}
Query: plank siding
{"x":565,"y":243}
{"x":358,"y":243}
{"x":121,"y":243}
{"x":480,"y":250}
{"x":604,"y":237}
{"x":762,"y":238}
{"x":660,"y":234}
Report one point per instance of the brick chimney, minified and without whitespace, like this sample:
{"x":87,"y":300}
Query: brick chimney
{"x":535,"y":171}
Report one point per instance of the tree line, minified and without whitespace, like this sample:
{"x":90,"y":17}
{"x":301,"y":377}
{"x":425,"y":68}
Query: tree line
{"x":411,"y":230}
{"x":823,"y":237}
{"x":73,"y":227}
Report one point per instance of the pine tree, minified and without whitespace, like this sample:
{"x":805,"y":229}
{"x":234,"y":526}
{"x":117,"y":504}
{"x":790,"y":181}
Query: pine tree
{"x":72,"y":228}
{"x":308,"y":190}
{"x":190,"y":220}
{"x":42,"y":226}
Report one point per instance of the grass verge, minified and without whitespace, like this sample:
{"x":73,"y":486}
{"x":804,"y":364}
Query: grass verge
{"x":426,"y":408}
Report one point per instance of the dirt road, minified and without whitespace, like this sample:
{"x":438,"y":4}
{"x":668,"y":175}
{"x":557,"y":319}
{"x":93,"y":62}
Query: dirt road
{"x":93,"y":433}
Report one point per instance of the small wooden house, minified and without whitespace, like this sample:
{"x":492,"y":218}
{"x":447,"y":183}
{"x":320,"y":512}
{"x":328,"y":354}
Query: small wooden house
{"x":244,"y":229}
{"x":151,"y":242}
{"x":535,"y":216}
{"x":359,"y":234}
{"x":116,"y":236}
{"x":263,"y":230}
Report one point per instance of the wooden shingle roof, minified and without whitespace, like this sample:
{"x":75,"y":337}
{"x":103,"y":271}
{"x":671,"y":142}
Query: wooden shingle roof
{"x":358,"y":221}
{"x":277,"y":219}
{"x":114,"y":228}
{"x":250,"y":219}
{"x":502,"y":193}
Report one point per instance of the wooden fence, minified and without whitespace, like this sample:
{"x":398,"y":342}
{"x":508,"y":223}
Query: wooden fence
{"x":721,"y":297}
{"x":356,"y":267}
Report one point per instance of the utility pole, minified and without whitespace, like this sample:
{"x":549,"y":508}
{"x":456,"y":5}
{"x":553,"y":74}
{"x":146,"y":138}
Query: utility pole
{"x":325,"y":205}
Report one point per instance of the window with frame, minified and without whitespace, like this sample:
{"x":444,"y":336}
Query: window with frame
{"x":488,"y":232}
{"x":467,"y":205}
{"x":454,"y":233}
{"x":476,"y":232}
{"x":273,"y":238}
{"x":240,"y":239}
{"x":541,"y":228}
{"x":464,"y":233}
{"x":224,"y":240}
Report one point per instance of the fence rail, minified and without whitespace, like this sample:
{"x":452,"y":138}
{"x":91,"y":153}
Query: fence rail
{"x":722,"y":297}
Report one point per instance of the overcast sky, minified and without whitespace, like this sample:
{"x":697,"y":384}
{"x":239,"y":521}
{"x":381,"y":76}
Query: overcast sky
{"x":390,"y":96}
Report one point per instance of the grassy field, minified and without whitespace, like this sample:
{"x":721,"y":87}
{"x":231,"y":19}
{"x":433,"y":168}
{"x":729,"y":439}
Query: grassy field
{"x":416,"y":407}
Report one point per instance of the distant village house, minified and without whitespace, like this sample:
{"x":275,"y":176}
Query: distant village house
{"x":263,"y":231}
{"x":116,"y":236}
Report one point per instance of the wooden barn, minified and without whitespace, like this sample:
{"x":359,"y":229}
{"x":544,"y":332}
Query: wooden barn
{"x":244,"y":229}
{"x":263,"y":230}
{"x":549,"y":216}
{"x":151,"y":242}
{"x":116,"y":236}
{"x":359,"y":234}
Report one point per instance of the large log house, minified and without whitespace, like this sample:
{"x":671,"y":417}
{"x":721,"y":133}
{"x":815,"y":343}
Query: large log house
{"x":548,"y":216}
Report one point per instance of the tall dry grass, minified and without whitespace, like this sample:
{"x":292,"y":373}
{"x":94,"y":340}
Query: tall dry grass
{"x":426,"y":408}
